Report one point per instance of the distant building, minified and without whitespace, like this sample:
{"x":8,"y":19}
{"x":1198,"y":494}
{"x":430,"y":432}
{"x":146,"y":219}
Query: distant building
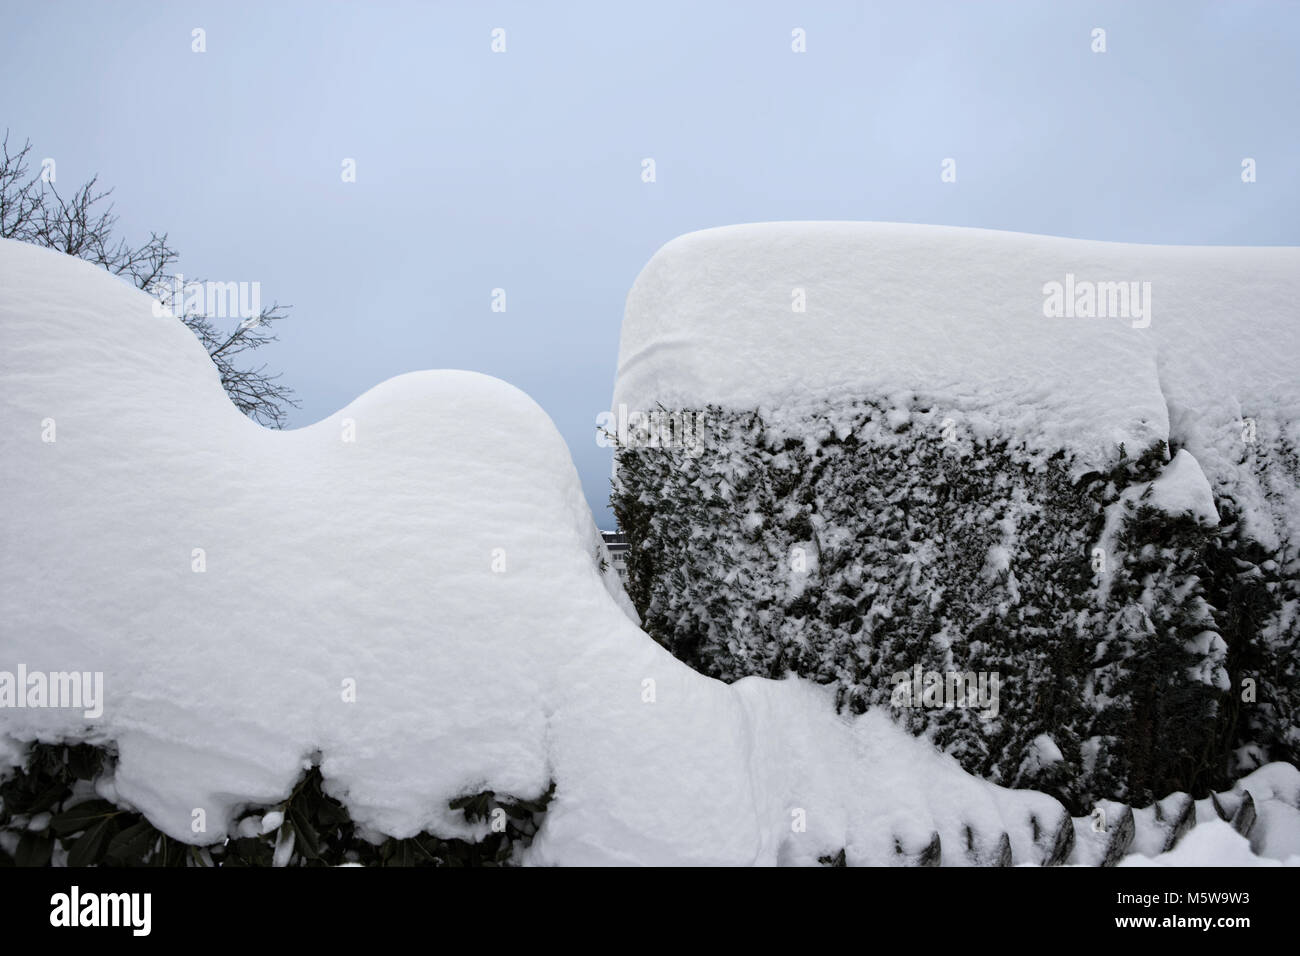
{"x":616,"y":542}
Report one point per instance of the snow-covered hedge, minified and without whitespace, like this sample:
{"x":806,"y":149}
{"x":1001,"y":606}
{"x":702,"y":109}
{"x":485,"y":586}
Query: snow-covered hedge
{"x":61,"y":808}
{"x":377,"y":620}
{"x":851,"y":451}
{"x":407,"y":598}
{"x":860,"y":542}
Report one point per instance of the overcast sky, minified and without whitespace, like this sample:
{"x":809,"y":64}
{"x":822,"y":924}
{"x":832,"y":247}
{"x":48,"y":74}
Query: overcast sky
{"x":522,"y":170}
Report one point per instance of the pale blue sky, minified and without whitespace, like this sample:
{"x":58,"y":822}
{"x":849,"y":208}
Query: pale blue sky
{"x":522,"y":170}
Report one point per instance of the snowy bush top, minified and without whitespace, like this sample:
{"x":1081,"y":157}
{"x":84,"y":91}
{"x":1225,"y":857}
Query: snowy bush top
{"x":1063,"y":343}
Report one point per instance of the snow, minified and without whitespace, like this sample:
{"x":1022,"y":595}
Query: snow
{"x":1276,"y":834}
{"x":1046,"y":749}
{"x":957,"y":316}
{"x":1214,"y":843}
{"x":11,"y":756}
{"x":1275,"y":781}
{"x":419,"y":610}
{"x":408,"y":592}
{"x":1182,"y":488}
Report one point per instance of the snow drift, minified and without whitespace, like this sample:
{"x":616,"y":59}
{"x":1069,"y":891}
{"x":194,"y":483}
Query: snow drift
{"x":767,"y":314}
{"x":1071,"y":345}
{"x":408,"y":594}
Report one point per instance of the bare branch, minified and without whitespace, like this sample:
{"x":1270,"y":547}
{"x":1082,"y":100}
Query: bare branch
{"x":81,"y":225}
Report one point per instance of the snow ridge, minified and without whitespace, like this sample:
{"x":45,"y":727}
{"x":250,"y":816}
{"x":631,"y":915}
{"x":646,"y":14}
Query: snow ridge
{"x":407,"y":593}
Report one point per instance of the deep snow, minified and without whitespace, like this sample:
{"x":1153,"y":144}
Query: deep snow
{"x":957,"y":317}
{"x":445,"y":561}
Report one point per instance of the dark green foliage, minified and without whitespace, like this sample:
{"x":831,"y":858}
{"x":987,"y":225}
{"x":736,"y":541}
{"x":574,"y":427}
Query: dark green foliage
{"x":1163,"y":722}
{"x":96,"y":832}
{"x":1253,"y":584}
{"x":927,"y":545}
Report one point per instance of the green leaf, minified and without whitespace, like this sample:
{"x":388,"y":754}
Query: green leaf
{"x":34,"y":850}
{"x":81,"y":816}
{"x":308,"y":841}
{"x":331,"y":813}
{"x":85,"y":761}
{"x":474,"y":805}
{"x":422,"y":849}
{"x":91,"y":845}
{"x":133,"y":844}
{"x":47,"y":798}
{"x":519,"y":811}
{"x":46,"y":760}
{"x":169,"y":853}
{"x":247,"y":851}
{"x":403,"y":854}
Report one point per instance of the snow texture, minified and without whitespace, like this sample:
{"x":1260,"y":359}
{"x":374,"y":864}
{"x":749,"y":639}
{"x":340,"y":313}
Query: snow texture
{"x":444,"y":560}
{"x":957,"y":317}
{"x":1182,"y":488}
{"x":327,"y":561}
{"x":1213,"y":843}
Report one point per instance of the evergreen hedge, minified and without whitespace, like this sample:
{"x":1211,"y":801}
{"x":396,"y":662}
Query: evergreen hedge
{"x":850,"y":543}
